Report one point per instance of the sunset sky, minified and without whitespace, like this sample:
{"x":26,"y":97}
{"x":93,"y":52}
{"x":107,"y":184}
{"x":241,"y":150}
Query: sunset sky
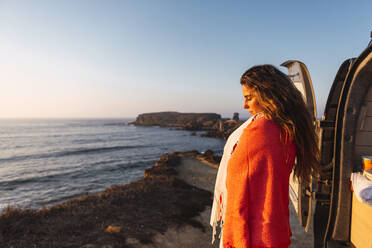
{"x":93,"y":59}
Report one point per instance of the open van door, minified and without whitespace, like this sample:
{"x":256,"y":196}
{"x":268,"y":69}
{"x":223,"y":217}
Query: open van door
{"x":326,"y":147}
{"x":300,"y":193}
{"x":352,"y":139}
{"x":345,"y":134}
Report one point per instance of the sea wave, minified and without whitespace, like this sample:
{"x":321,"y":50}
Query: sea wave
{"x":75,"y":173}
{"x":78,"y":151}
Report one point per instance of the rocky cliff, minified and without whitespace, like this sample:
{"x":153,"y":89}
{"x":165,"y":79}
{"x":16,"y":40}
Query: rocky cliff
{"x":223,"y":128}
{"x":189,"y":121}
{"x":212,"y":123}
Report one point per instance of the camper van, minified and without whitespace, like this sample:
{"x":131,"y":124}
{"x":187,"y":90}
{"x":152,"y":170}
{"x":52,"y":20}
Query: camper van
{"x":339,"y":219}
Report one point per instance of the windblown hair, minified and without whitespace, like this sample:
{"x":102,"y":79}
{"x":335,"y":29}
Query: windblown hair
{"x":283,"y":104}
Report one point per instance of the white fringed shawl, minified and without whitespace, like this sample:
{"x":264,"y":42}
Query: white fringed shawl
{"x":220,"y":192}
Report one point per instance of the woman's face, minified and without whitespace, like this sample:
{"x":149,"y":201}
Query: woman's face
{"x":250,"y":100}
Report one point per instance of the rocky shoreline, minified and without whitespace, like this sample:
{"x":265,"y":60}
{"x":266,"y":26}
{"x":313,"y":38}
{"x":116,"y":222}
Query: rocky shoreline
{"x":169,"y":207}
{"x":121,"y":216}
{"x":211,"y":123}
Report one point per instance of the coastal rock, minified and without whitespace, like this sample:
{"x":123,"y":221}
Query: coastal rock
{"x":236,"y":116}
{"x":169,"y":158}
{"x":113,"y":229}
{"x":223,"y":128}
{"x":188,"y":121}
{"x":212,"y":123}
{"x":210,"y":157}
{"x":159,"y":171}
{"x":165,"y":166}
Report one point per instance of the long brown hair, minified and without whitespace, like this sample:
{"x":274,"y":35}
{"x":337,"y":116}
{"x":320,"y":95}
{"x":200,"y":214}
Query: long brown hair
{"x":283,"y":104}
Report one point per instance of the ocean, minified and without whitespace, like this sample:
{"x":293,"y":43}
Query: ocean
{"x":47,"y":161}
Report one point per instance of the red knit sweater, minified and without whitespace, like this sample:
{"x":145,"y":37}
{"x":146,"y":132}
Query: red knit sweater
{"x":257,"y":211}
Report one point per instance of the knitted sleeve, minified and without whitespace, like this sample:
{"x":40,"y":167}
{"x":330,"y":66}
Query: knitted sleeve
{"x":236,"y":226}
{"x":270,"y":164}
{"x":256,"y":189}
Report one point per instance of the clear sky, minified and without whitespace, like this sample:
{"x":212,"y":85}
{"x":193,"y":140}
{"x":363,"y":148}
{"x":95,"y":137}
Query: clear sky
{"x":121,"y":58}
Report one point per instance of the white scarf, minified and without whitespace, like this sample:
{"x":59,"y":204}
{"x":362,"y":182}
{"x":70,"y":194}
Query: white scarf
{"x":220,"y":191}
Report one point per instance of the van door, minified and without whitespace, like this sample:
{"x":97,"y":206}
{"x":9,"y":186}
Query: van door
{"x":353,"y":138}
{"x":300,"y":193}
{"x":326,"y":147}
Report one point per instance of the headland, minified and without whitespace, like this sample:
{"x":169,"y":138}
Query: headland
{"x":213,"y":124}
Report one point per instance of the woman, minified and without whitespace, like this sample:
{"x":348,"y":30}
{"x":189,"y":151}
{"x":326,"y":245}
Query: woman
{"x":251,"y":194}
